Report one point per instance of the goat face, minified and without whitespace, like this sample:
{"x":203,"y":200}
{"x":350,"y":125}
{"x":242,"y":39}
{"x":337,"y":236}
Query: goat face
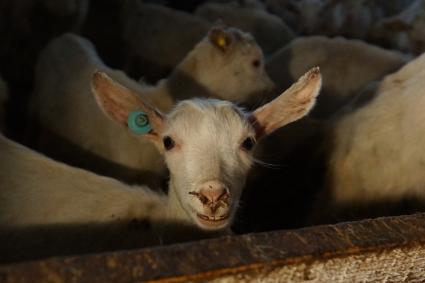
{"x":208,"y":143}
{"x":230,"y":64}
{"x":208,"y":148}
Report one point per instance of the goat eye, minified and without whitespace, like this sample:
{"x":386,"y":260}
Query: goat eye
{"x":168,"y":143}
{"x":256,"y":63}
{"x":248,"y":143}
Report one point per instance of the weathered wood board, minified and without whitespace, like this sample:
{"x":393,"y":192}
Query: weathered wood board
{"x":390,"y":249}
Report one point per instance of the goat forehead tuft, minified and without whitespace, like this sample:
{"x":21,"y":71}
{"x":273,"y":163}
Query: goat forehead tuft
{"x":208,"y":110}
{"x":204,"y":106}
{"x":239,"y":35}
{"x":244,"y":43}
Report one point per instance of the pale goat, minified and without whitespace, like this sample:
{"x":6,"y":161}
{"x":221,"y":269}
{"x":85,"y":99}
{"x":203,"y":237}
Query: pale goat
{"x":377,"y":153}
{"x":208,"y":146}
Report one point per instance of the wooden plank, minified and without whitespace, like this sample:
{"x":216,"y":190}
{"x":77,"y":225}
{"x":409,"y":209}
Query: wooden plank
{"x":390,"y":249}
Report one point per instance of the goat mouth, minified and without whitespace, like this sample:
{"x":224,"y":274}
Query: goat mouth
{"x":212,"y":221}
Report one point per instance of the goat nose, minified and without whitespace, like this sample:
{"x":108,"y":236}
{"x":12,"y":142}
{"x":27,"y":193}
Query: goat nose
{"x":213,"y":191}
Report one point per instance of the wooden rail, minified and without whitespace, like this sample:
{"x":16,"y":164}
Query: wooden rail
{"x":390,"y":249}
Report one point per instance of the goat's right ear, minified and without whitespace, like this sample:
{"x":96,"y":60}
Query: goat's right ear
{"x":117,"y":102}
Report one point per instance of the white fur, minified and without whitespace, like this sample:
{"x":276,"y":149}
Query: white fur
{"x":229,"y":74}
{"x":207,"y":151}
{"x":36,"y":190}
{"x":378,"y":150}
{"x":63,"y":104}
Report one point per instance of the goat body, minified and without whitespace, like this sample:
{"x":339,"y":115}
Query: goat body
{"x":377,"y":153}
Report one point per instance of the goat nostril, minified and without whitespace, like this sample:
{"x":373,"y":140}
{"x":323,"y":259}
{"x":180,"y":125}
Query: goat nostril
{"x":214,"y":208}
{"x":203,"y":199}
{"x":213,"y":195}
{"x":200,"y":196}
{"x":224,"y":195}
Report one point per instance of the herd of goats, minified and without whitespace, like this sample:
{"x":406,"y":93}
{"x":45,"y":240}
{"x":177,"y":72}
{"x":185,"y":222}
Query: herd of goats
{"x":137,"y":123}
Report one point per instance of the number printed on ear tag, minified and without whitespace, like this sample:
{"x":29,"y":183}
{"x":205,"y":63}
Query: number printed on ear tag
{"x":138,"y":122}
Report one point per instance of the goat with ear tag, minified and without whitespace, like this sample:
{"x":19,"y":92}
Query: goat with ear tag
{"x":207,"y":143}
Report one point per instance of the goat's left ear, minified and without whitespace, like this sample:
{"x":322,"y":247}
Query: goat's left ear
{"x":288,"y":107}
{"x":119,"y":102}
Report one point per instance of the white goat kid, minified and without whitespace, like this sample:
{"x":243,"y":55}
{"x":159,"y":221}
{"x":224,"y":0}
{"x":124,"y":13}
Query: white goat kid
{"x":207,"y":143}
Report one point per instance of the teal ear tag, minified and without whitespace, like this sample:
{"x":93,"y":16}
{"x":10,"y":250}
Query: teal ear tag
{"x":138,"y":122}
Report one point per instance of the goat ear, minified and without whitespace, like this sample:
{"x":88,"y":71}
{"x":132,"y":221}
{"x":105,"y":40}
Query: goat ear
{"x":220,"y":38}
{"x":117,"y":102}
{"x":290,"y":106}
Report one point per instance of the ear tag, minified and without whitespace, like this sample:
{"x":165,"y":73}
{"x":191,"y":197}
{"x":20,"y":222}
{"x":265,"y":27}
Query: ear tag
{"x":221,"y":41}
{"x":138,"y":122}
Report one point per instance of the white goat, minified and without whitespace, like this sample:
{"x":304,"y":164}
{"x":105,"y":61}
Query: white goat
{"x":361,"y":62}
{"x":226,"y":64}
{"x":268,"y":30}
{"x":207,"y":145}
{"x":378,"y":150}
